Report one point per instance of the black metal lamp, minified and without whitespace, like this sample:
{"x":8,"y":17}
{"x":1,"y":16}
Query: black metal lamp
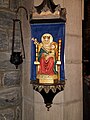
{"x":17,"y":57}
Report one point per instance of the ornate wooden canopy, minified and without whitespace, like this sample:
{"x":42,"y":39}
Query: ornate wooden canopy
{"x":47,"y":10}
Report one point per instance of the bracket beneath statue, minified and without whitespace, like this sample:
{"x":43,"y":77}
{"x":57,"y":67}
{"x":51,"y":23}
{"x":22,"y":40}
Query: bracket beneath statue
{"x":48,"y":91}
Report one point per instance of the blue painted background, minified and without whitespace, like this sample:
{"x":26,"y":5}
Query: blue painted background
{"x":57,"y":30}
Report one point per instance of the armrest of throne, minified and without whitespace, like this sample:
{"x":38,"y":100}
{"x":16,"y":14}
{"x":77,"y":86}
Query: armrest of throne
{"x":58,"y":63}
{"x":36,"y":62}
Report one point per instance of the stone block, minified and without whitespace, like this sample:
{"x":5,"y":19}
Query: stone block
{"x":73,"y":111}
{"x":4,"y":3}
{"x":6,"y":32}
{"x":73,"y":49}
{"x":74,"y":17}
{"x":73,"y":87}
{"x":5,"y":63}
{"x":13,"y":113}
{"x":28,"y":110}
{"x":38,"y":98}
{"x":1,"y":1}
{"x":1,"y":76}
{"x":4,"y":56}
{"x":7,"y":114}
{"x":11,"y":79}
{"x":10,"y":97}
{"x":18,"y":113}
{"x":59,"y":98}
{"x":27,"y":88}
{"x":3,"y":41}
{"x":6,"y":19}
{"x":55,"y":112}
{"x":14,"y":4}
{"x":6,"y":40}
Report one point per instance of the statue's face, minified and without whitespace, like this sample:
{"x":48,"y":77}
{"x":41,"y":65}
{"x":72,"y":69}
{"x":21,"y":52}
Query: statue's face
{"x":47,"y":39}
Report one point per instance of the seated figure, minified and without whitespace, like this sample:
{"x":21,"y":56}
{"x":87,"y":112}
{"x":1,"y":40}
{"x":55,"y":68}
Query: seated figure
{"x":47,"y":57}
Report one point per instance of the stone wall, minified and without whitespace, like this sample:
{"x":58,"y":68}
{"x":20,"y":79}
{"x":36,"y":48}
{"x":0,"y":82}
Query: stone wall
{"x":10,"y":78}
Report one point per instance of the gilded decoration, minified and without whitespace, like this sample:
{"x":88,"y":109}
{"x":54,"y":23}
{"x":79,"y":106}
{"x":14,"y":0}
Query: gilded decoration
{"x":48,"y":10}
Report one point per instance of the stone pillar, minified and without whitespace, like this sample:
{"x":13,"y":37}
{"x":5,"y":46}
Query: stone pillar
{"x":67,"y":105}
{"x":10,"y":78}
{"x":73,"y":94}
{"x":27,"y":90}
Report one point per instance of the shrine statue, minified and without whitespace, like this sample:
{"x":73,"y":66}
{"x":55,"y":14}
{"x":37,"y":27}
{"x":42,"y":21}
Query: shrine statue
{"x":46,"y":56}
